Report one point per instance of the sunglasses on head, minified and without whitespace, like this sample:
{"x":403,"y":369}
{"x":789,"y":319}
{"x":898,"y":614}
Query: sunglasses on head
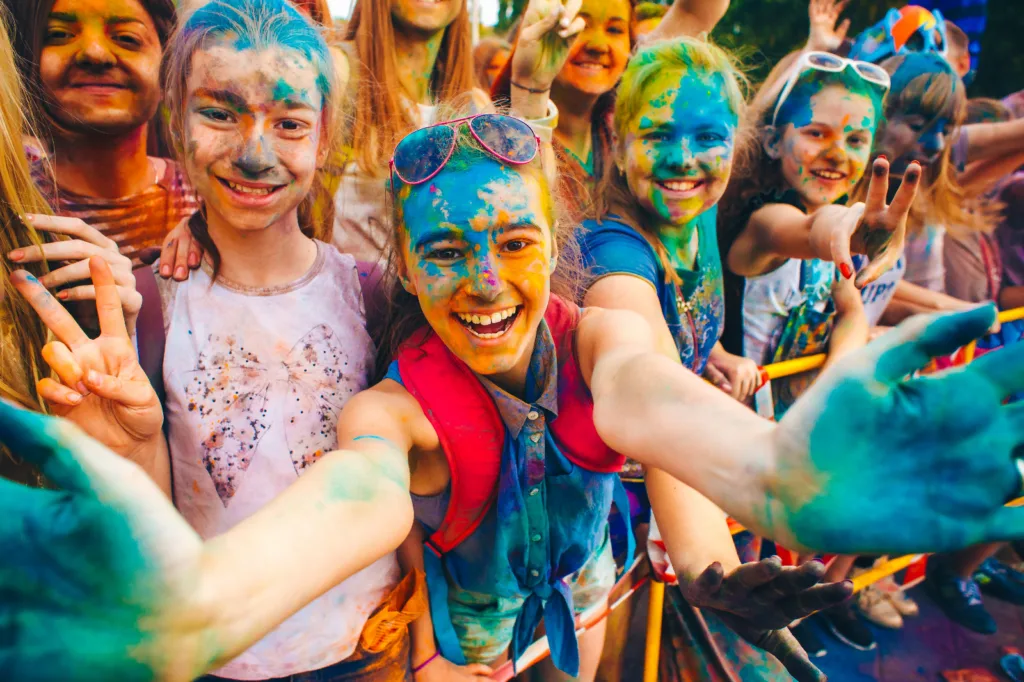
{"x":830,"y":63}
{"x":423,"y":153}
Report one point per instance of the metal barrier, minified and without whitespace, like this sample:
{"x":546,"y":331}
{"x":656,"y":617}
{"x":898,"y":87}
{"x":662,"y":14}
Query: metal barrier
{"x":656,"y":599}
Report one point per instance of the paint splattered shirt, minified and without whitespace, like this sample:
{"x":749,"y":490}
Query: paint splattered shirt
{"x":135,"y":222}
{"x":255,"y":381}
{"x":550,"y":516}
{"x":613,"y":248}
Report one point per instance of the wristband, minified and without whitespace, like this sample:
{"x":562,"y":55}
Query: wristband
{"x":534,"y":91}
{"x":425,"y":663}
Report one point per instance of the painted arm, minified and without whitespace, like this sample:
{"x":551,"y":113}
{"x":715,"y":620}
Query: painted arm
{"x":811,"y":481}
{"x":777,"y":232}
{"x":689,"y":18}
{"x":851,"y":326}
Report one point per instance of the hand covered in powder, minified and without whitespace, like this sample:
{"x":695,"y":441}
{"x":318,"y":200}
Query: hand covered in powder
{"x":548,"y":30}
{"x":97,"y":575}
{"x":873,"y":461}
{"x":99,"y":384}
{"x":758,"y":600}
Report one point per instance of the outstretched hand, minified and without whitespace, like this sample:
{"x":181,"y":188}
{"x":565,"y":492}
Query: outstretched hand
{"x":758,"y":600}
{"x":96,"y":575}
{"x":99,"y":384}
{"x":873,"y":460}
{"x":548,"y":30}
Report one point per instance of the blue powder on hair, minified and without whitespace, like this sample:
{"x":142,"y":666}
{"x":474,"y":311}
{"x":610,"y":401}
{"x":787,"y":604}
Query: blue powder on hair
{"x":261,"y":24}
{"x":797,"y":107}
{"x":914,"y":64}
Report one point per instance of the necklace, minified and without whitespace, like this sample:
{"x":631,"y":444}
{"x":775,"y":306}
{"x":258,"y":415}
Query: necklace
{"x":684,"y":305}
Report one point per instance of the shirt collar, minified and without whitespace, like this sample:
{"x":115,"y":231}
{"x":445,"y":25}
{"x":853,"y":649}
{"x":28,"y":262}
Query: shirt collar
{"x":541,"y":385}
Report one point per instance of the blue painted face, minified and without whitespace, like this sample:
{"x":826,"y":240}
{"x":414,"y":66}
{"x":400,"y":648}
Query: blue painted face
{"x":478,"y":254}
{"x":679,"y":148}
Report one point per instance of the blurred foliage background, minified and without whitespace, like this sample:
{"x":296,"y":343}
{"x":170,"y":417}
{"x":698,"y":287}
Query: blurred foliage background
{"x":762,"y":31}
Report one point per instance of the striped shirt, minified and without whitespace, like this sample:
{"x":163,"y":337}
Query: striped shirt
{"x":135,"y":222}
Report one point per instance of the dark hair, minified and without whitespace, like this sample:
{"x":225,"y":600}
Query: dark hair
{"x":31,"y":18}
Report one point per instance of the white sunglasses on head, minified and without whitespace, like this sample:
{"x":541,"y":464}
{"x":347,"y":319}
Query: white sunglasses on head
{"x":828,"y":62}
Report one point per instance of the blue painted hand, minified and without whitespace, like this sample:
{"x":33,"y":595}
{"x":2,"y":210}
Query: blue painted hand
{"x":94,"y":576}
{"x":871,"y":461}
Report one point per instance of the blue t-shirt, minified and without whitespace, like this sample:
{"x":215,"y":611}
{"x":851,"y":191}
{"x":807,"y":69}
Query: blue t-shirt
{"x":613,"y":248}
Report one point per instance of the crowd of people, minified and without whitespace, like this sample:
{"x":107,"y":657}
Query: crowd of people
{"x":361,"y":352}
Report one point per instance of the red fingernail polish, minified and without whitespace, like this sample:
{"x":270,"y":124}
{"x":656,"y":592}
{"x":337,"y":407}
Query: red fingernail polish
{"x":62,"y":295}
{"x":846,"y":270}
{"x":883,"y":156}
{"x":764,"y":378}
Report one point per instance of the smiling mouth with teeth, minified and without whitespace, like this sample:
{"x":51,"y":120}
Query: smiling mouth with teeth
{"x":828,"y":174}
{"x":489,"y":326}
{"x":680,"y":185}
{"x":253,"y":191}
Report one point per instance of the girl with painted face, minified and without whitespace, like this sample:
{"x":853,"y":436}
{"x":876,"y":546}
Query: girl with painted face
{"x":652,"y":248}
{"x":582,"y":83}
{"x":96,"y":66}
{"x":511,"y":403}
{"x":265,"y":342}
{"x":783,"y":230}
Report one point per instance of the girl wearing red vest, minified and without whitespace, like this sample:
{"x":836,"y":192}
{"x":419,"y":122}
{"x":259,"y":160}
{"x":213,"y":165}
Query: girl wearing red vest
{"x":546,"y":394}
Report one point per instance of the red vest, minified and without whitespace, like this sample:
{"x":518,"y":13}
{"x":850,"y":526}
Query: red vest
{"x":471,"y":430}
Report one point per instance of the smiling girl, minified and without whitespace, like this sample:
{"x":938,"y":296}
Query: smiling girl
{"x":266,"y":341}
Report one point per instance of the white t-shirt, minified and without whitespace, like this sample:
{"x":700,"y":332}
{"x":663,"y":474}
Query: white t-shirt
{"x":360,"y":206}
{"x":926,"y":266}
{"x":255,"y":381}
{"x":878,"y":294}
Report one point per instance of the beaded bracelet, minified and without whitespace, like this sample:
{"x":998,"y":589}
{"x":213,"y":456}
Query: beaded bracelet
{"x":425,"y":663}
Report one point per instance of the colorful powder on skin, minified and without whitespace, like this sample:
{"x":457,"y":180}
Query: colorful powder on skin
{"x":477,"y":238}
{"x":684,"y":136}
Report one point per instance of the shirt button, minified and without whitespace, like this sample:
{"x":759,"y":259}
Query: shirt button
{"x":535,"y":438}
{"x":534,"y":491}
{"x":533,"y":415}
{"x":535,"y":573}
{"x":536,"y":537}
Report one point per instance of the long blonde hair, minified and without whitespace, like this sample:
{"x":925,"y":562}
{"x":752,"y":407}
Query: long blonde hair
{"x":380,"y":116}
{"x":22,"y":334}
{"x":259,"y":24}
{"x":686,"y":55}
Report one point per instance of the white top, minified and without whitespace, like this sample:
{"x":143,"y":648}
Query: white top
{"x":876,"y":296}
{"x":767,"y":302}
{"x":361,"y":222}
{"x":255,"y":381}
{"x":923,"y":253}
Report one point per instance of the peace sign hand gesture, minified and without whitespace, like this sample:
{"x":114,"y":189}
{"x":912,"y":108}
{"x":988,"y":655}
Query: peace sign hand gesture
{"x":875,"y":228}
{"x":100,"y":385}
{"x":548,"y":31}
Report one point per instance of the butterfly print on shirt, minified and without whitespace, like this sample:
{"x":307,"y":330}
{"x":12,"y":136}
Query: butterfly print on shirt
{"x":229,"y":388}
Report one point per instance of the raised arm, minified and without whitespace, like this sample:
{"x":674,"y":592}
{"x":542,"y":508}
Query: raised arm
{"x":689,"y":18}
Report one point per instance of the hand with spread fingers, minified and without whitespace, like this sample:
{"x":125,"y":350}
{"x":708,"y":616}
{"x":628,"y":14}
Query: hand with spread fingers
{"x":99,"y":384}
{"x":73,"y":256}
{"x":180,"y":253}
{"x":758,"y":600}
{"x":102,"y":577}
{"x":875,"y":228}
{"x":946,"y":445}
{"x":825,"y":34}
{"x":548,"y":30}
